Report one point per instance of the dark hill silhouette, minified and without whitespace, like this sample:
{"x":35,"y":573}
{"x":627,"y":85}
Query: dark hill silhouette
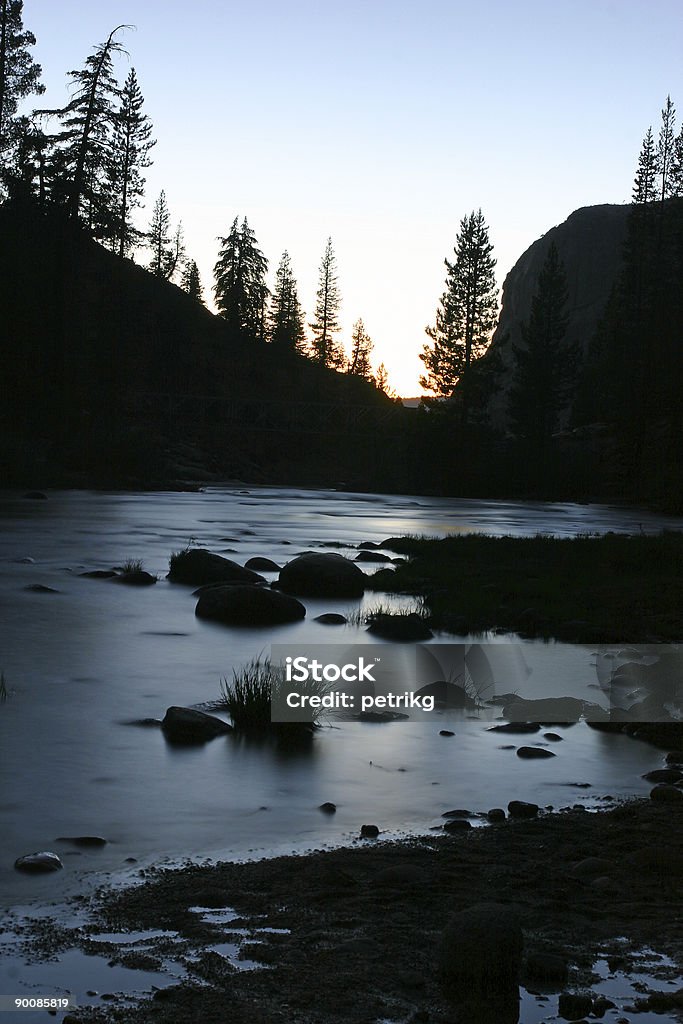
{"x":113,"y":376}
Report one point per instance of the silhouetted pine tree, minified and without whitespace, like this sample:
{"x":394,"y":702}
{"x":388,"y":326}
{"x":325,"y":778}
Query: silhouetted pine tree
{"x":159,"y":238}
{"x":131,"y":143}
{"x":545,"y":366}
{"x":644,"y":190}
{"x":19,"y":77}
{"x":191,"y":283}
{"x":666,"y":148}
{"x":240,"y":283}
{"x":285,"y":316}
{"x":466,"y":314}
{"x":361,"y":347}
{"x":325,"y":348}
{"x":84,"y":144}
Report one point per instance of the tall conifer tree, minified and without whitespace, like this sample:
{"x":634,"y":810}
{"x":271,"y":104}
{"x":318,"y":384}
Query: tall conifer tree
{"x":325,"y":347}
{"x":131,"y":143}
{"x":19,"y":77}
{"x":285,"y":316}
{"x":240,"y":287}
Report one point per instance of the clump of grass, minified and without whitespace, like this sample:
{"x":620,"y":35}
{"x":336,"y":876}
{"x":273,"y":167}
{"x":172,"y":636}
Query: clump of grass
{"x":366,"y":616}
{"x":133,"y":565}
{"x":249,"y":696}
{"x":3,"y":688}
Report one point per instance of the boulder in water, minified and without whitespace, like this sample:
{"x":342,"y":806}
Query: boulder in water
{"x":322,"y":575}
{"x":198,"y":566}
{"x":239,"y":605}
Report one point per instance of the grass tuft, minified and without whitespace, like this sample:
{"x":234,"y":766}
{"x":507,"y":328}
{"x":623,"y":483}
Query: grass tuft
{"x":133,"y":565}
{"x":248,"y":697}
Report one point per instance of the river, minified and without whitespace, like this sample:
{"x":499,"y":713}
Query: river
{"x":81,"y":663}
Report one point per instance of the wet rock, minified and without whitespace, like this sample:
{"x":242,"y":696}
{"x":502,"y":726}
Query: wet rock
{"x":237,"y":605}
{"x":402,"y":628}
{"x":85,"y":841}
{"x":145,"y":723}
{"x":40,"y":588}
{"x":381,"y":716}
{"x":459,"y":812}
{"x":572,"y":1005}
{"x":139,"y":578}
{"x":481,"y":952}
{"x":36,"y":496}
{"x":674,"y":757}
{"x":447,"y":694}
{"x":522,"y":809}
{"x":331,"y":619}
{"x":547,"y":968}
{"x":328,"y":807}
{"x":368,"y":545}
{"x":369,"y":831}
{"x":457,"y":825}
{"x":592,"y":867}
{"x":38,"y":863}
{"x":663,"y":775}
{"x":322,"y":575}
{"x":516,"y":727}
{"x":198,"y":566}
{"x":372,"y":556}
{"x":601,"y":1005}
{"x":666,"y":794}
{"x":186,"y":725}
{"x":446,"y":732}
{"x":496,"y":814}
{"x":259,"y":564}
{"x":545,"y":709}
{"x":531,"y":753}
{"x":99,"y":574}
{"x":553,"y":737}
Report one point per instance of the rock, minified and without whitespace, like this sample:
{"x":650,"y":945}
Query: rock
{"x":663,"y":775}
{"x":446,"y":732}
{"x":38,"y":863}
{"x":369,"y":831}
{"x":522,"y":809}
{"x":237,"y":605}
{"x":530,"y":753}
{"x":331,"y":619}
{"x":573,"y":1005}
{"x":381,"y":716}
{"x":547,"y":968}
{"x":140,"y":578}
{"x":259,"y":564}
{"x":481,"y":952}
{"x":400,"y":874}
{"x":322,"y":575}
{"x":36,"y":496}
{"x":368,"y":545}
{"x":403,"y":628}
{"x":457,"y":825}
{"x":516,"y":727}
{"x":601,"y":1005}
{"x":458,"y":813}
{"x":545,"y":709}
{"x":446,"y":694}
{"x":372,"y":556}
{"x":88,"y":841}
{"x":674,"y":757}
{"x":40,"y":588}
{"x":328,"y":807}
{"x":186,"y":725}
{"x":666,"y":794}
{"x":198,"y":566}
{"x":496,"y":814}
{"x":592,"y":867}
{"x":99,"y":574}
{"x":553,"y":737}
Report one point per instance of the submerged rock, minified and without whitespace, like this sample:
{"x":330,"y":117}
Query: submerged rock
{"x":237,"y":605}
{"x":516,"y":727}
{"x":534,"y":752}
{"x":331,"y":619}
{"x":405,"y":628}
{"x":41,"y":588}
{"x":198,"y":566}
{"x":328,"y":807}
{"x":545,"y":709}
{"x":447,"y":694}
{"x":99,"y":574}
{"x":139,"y":578}
{"x":322,"y":575}
{"x":36,"y":495}
{"x":186,"y":725}
{"x":87,"y":841}
{"x":38,"y":863}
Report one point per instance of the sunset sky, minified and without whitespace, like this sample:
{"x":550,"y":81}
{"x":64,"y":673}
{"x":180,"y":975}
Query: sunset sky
{"x":381,"y":123}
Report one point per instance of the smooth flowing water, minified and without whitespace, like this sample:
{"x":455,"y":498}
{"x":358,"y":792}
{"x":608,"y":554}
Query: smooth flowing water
{"x":81,"y":663}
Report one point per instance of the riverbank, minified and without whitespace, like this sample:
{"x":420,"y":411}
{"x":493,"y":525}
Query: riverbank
{"x":586,"y":589}
{"x":354,"y":935}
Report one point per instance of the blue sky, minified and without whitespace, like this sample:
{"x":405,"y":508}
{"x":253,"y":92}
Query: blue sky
{"x":381,"y":124}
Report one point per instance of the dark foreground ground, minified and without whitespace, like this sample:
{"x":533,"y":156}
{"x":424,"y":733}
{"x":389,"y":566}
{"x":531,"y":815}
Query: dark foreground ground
{"x":362,"y":927}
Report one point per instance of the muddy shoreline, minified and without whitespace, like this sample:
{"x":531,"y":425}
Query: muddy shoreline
{"x":353,"y":935}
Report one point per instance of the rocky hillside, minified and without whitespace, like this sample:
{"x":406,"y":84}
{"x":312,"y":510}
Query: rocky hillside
{"x":590,"y":244}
